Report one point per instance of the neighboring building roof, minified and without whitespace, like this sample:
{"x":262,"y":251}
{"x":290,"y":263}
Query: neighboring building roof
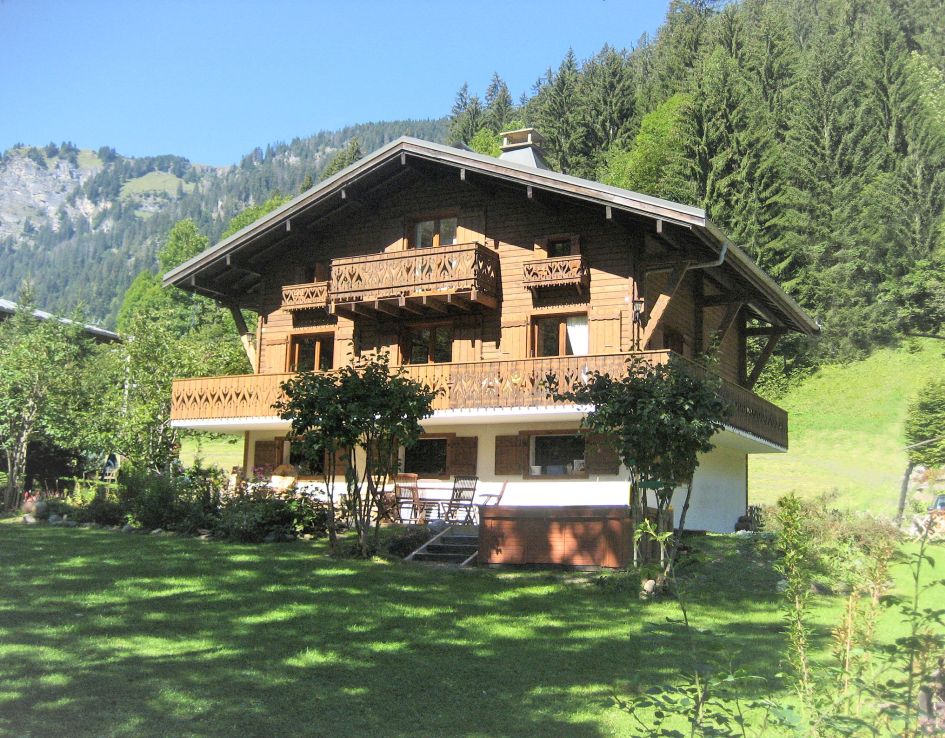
{"x":334,"y":191}
{"x":8,"y":307}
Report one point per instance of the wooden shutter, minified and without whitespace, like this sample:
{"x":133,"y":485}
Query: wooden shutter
{"x":461,"y":456}
{"x":266,"y":453}
{"x":510,"y":454}
{"x":600,"y":457}
{"x":341,"y":462}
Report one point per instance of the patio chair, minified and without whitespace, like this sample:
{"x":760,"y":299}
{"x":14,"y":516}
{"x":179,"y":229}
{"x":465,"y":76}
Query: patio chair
{"x":410,"y":507}
{"x":464,"y":490}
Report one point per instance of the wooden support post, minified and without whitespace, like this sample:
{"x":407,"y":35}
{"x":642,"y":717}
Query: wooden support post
{"x":246,"y":337}
{"x":763,"y":358}
{"x":673,"y":281}
{"x":728,"y":320}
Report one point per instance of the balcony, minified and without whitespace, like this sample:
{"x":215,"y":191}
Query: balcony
{"x":311,"y":296}
{"x":469,"y":386}
{"x":429,"y":281}
{"x":561,"y":271}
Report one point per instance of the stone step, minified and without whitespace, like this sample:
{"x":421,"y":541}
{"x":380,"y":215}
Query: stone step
{"x":460,"y":540}
{"x":451,"y":548}
{"x":442,"y":558}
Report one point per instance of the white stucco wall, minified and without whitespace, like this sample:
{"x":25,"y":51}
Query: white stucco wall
{"x":719,"y":488}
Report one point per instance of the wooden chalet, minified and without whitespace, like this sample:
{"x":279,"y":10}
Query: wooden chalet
{"x":480,"y":275}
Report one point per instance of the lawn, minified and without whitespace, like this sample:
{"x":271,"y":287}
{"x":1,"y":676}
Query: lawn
{"x":846,"y":426}
{"x":105,"y":634}
{"x":213,"y":449}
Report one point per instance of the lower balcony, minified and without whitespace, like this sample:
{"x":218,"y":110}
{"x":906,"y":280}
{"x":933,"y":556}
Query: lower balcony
{"x":484,"y":385}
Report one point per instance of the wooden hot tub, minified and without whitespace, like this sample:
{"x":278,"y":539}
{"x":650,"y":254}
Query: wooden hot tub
{"x":575,"y":535}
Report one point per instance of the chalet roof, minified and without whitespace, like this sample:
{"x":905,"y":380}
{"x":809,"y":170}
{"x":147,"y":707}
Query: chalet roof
{"x":384,"y":163}
{"x":8,"y":307}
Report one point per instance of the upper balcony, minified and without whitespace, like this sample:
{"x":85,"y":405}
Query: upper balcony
{"x":559,"y":271}
{"x":483,"y":385}
{"x":310,"y":296}
{"x":416,"y":281}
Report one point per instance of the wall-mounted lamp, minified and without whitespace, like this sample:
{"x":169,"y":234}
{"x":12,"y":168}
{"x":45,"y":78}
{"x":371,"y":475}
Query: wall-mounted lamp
{"x":639,"y":312}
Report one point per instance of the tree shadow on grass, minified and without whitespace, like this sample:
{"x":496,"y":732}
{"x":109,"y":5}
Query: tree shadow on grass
{"x":105,"y":634}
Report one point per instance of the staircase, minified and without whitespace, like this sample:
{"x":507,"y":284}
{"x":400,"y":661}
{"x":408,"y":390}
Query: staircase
{"x":455,"y":546}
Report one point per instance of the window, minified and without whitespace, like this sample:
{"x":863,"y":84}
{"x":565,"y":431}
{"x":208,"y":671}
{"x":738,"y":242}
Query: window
{"x":558,"y":247}
{"x":560,"y":336}
{"x":427,"y":457}
{"x":437,"y":232}
{"x":429,"y":345}
{"x":556,"y":455}
{"x":312,"y":351}
{"x":306,"y":468}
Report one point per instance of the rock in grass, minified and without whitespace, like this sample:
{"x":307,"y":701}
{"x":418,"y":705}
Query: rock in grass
{"x":128,"y":528}
{"x":55,"y":519}
{"x":68,"y":524}
{"x":271,"y":537}
{"x":30,"y":519}
{"x":156,"y":532}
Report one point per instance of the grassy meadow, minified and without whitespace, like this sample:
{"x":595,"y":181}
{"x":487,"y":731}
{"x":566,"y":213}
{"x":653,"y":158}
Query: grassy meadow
{"x":846,"y":431}
{"x":105,"y":634}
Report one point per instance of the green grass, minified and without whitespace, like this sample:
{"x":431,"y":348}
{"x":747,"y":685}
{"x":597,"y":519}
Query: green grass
{"x":88,"y":159}
{"x":104,"y":634}
{"x":154,"y":182}
{"x":225,"y":451}
{"x":846,"y":431}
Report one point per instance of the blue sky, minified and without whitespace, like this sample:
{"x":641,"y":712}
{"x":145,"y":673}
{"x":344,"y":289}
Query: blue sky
{"x":210,"y":80}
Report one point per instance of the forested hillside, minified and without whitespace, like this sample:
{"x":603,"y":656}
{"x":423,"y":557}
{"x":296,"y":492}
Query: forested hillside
{"x":81,"y":224}
{"x":813,"y":131}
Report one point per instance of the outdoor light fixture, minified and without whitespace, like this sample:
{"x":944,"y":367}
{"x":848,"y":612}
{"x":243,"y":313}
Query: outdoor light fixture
{"x":639,"y":315}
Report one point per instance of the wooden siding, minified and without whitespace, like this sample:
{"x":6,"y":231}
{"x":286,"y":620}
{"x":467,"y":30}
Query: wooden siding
{"x":472,"y":385}
{"x":491,"y":346}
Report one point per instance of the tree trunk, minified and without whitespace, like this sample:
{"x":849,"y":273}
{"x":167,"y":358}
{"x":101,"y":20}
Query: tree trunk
{"x":904,"y":492}
{"x":16,"y":464}
{"x":670,"y":562}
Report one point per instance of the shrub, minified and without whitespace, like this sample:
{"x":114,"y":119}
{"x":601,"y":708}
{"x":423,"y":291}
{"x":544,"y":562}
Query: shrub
{"x":250,"y":519}
{"x":407,"y":540}
{"x":199,"y":499}
{"x":103,"y":511}
{"x":310,"y":516}
{"x":149,"y":499}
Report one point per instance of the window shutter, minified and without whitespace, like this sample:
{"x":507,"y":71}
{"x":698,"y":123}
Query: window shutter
{"x":509,"y":455}
{"x":341,"y":462}
{"x":266,"y":453}
{"x":461,"y":456}
{"x":600,"y":457}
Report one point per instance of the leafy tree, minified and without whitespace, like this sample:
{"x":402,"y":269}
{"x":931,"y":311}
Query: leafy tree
{"x":486,"y":142}
{"x":657,"y":163}
{"x":658,"y":418}
{"x":40,"y":377}
{"x":365,"y":411}
{"x":307,"y":184}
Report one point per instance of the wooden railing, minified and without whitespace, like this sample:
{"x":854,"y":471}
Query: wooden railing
{"x":560,"y":271}
{"x":470,"y":386}
{"x":305,"y":296}
{"x":465,"y":267}
{"x":239,"y":396}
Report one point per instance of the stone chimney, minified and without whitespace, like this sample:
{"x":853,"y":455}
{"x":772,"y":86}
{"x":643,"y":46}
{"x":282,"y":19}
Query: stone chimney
{"x":523,"y":147}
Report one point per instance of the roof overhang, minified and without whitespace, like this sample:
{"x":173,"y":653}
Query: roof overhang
{"x":334,"y":192}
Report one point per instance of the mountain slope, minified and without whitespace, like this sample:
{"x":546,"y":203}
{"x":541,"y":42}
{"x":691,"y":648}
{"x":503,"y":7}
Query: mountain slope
{"x":846,"y":425}
{"x":80,"y":224}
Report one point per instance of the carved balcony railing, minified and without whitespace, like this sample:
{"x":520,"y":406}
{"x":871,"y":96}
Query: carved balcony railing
{"x":311,"y":296}
{"x":470,"y":386}
{"x":560,"y":271}
{"x":459,"y":274}
{"x":219,"y":398}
